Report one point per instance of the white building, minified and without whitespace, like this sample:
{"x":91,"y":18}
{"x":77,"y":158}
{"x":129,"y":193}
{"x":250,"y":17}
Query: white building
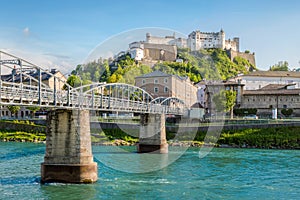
{"x":259,"y":79}
{"x":136,"y":50}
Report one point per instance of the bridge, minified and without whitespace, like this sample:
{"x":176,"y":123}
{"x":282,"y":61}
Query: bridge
{"x":68,"y":156}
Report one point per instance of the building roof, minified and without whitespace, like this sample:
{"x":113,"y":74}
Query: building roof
{"x":44,"y":76}
{"x":156,"y":73}
{"x":219,"y":83}
{"x":274,"y":74}
{"x":276,"y":86}
{"x":271,"y":92}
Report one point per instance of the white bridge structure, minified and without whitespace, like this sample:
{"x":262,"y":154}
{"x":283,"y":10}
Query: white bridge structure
{"x":68,"y":156}
{"x":22,"y":84}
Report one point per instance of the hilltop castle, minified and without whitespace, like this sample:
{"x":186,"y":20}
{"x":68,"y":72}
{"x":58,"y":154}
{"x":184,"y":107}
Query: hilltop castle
{"x":197,"y":40}
{"x":165,"y":48}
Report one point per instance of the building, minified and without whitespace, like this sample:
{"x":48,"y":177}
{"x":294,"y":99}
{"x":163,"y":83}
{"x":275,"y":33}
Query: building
{"x":152,"y":51}
{"x":160,"y":84}
{"x":272,"y":96}
{"x":48,"y":79}
{"x":207,"y":90}
{"x":259,"y":79}
{"x":156,"y":48}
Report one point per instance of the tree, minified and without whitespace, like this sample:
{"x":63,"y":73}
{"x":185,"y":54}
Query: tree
{"x":225,"y":101}
{"x":13,"y":110}
{"x":287,"y":112}
{"x":280,"y":66}
{"x":73,"y":81}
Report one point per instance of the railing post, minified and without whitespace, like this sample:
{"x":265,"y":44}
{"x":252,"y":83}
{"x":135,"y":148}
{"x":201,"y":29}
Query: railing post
{"x":93,"y":99}
{"x":21,"y":80}
{"x":39,"y":86}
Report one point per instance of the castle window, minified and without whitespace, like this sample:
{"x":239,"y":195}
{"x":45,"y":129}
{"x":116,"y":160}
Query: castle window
{"x":143,"y":81}
{"x":155,"y":81}
{"x":166,"y":80}
{"x":155,"y":89}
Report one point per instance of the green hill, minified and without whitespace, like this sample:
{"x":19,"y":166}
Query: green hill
{"x":211,"y":64}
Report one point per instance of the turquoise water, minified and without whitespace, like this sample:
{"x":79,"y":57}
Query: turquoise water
{"x":223,"y":174}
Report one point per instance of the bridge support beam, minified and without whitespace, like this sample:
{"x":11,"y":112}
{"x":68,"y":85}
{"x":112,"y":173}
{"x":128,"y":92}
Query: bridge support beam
{"x":152,"y":137}
{"x":68,"y":156}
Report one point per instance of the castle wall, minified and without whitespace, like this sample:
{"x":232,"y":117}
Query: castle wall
{"x":160,"y":52}
{"x":248,"y":56}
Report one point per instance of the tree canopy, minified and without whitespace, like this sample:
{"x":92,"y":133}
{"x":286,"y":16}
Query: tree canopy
{"x":280,"y":66}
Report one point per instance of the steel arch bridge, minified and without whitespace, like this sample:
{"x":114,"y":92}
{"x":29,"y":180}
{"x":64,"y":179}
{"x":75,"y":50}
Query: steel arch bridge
{"x":23,"y":83}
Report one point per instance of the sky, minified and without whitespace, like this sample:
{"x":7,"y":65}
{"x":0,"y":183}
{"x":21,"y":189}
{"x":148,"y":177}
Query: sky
{"x":64,"y":33}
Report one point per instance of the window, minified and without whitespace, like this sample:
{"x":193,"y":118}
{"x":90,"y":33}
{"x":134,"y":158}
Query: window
{"x":166,"y":90}
{"x":155,"y":81}
{"x":166,"y":80}
{"x":285,"y":106}
{"x":143,"y":81}
{"x":156,"y":90}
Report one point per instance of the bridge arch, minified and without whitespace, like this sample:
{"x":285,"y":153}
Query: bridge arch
{"x":113,"y":96}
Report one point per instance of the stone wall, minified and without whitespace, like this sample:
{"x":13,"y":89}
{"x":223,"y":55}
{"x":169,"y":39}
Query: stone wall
{"x":9,"y":126}
{"x":248,"y":56}
{"x":160,"y":52}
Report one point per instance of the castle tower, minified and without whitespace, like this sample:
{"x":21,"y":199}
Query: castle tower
{"x":222,"y":39}
{"x":237,"y":43}
{"x":148,"y":37}
{"x":194,"y":42}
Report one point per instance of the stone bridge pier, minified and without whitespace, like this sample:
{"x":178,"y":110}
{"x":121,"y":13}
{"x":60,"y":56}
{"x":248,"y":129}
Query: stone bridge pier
{"x":152,"y":137}
{"x":68,"y":155}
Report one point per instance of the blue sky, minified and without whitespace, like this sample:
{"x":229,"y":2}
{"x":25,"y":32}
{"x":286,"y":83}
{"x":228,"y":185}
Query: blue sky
{"x":63,"y":33}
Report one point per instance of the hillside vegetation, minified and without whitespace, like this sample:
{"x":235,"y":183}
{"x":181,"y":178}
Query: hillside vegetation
{"x":211,"y":64}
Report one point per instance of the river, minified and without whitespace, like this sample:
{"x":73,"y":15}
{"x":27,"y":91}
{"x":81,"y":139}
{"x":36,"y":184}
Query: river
{"x":222,"y":174}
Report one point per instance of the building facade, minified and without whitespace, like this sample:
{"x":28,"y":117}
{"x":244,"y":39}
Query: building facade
{"x":160,"y":84}
{"x":207,"y":90}
{"x":272,"y":96}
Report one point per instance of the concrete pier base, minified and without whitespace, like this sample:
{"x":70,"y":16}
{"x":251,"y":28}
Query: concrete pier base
{"x":152,"y":137}
{"x":68,"y":155}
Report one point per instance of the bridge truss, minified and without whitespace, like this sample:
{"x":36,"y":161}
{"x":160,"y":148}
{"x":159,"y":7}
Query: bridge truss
{"x":26,"y":84}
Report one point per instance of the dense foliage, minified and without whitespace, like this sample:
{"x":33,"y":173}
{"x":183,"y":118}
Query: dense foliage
{"x":284,"y":138}
{"x":287,"y":112}
{"x":280,"y":66}
{"x":211,"y":64}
